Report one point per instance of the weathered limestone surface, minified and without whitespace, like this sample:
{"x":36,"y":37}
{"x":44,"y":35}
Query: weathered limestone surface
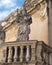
{"x":11,"y":32}
{"x":40,"y":53}
{"x":39,"y":26}
{"x":49,"y":2}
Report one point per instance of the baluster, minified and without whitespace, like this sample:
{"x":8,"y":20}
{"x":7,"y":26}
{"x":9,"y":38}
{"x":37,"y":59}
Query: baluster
{"x":10,"y":54}
{"x":27,"y":54}
{"x":21,"y":54}
{"x":15,"y":55}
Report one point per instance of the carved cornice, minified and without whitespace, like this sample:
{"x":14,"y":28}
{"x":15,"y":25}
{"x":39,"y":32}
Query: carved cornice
{"x":32,"y":4}
{"x":12,"y":17}
{"x":9,"y":19}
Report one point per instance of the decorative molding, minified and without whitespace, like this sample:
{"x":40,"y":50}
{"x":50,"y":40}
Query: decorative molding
{"x":12,"y":17}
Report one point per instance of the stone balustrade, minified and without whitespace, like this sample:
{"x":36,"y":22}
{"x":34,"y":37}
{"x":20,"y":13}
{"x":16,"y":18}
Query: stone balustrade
{"x":18,"y":51}
{"x":13,"y":54}
{"x":30,"y":51}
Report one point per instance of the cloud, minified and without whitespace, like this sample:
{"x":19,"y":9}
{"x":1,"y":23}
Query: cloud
{"x":7,"y":3}
{"x":7,"y":6}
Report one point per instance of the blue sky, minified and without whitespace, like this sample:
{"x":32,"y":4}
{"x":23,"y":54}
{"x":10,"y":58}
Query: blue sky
{"x":7,"y":6}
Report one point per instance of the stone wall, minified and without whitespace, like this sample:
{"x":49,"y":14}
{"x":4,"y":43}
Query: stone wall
{"x":39,"y":26}
{"x":11,"y":32}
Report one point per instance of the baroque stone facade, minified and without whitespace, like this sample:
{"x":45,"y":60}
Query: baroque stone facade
{"x":27,"y":43}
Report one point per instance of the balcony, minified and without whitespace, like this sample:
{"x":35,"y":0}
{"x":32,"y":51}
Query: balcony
{"x":29,"y":52}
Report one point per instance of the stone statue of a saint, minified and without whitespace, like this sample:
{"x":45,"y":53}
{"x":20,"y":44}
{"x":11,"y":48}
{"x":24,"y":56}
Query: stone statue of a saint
{"x":24,"y":20}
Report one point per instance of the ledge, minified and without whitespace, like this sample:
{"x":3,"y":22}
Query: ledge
{"x":19,"y":63}
{"x":30,"y":42}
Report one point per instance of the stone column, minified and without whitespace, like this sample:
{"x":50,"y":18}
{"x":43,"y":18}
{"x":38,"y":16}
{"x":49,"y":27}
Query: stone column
{"x":27,"y":54}
{"x":50,"y":21}
{"x":10,"y":54}
{"x":15,"y":55}
{"x":21,"y":54}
